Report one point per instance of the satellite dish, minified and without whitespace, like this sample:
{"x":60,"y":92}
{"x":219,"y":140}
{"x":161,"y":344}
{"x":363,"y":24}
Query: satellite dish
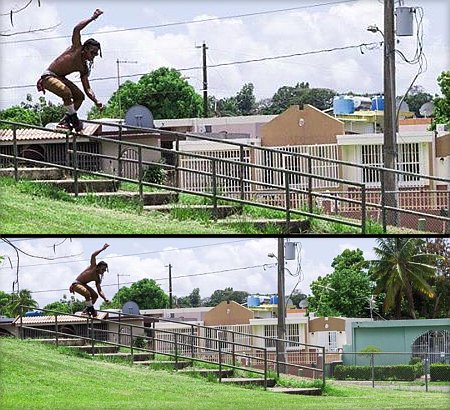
{"x":403,"y":106}
{"x":427,"y":109}
{"x":139,"y":116}
{"x":303,"y":304}
{"x":130,"y":308}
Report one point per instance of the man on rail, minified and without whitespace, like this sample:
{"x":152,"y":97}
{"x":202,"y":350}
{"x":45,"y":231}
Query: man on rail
{"x":93,"y":273}
{"x":78,"y":57}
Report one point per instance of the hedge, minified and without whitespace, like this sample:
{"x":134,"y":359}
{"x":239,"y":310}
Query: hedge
{"x":397,"y":372}
{"x":439,"y":372}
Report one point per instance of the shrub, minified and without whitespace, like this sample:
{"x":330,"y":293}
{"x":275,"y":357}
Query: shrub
{"x":440,"y":372}
{"x":397,"y":372}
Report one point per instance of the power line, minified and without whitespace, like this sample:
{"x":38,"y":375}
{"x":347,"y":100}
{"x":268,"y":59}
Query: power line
{"x":165,"y":278}
{"x":133,"y":254}
{"x":179,"y":23}
{"x":301,"y":54}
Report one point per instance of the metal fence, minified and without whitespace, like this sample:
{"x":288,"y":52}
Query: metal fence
{"x":401,"y":370}
{"x":284,"y":179}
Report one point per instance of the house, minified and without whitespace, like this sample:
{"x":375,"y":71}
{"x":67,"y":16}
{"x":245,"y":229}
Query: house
{"x":424,"y":338}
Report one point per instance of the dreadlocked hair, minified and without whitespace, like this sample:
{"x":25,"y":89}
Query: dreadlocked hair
{"x":95,"y":43}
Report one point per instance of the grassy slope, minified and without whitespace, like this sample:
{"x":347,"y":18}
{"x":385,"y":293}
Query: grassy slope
{"x":35,"y":376}
{"x":27,"y":214}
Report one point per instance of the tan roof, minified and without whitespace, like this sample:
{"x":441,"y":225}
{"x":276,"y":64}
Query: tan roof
{"x":30,"y":134}
{"x":46,"y":320}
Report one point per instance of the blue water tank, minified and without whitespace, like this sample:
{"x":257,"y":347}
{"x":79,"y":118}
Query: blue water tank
{"x":343,"y":105}
{"x":274,"y":300}
{"x":253,"y":301}
{"x":377,"y":104}
{"x":34,"y":313}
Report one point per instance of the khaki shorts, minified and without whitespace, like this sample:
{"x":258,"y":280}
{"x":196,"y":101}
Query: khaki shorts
{"x":84,"y":290}
{"x":64,"y":88}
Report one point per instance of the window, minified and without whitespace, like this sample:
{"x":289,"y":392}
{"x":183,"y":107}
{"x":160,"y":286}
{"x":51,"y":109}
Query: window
{"x":332,"y":342}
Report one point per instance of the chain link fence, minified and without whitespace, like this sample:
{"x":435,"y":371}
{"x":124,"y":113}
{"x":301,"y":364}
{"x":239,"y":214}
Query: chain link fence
{"x":429,"y":371}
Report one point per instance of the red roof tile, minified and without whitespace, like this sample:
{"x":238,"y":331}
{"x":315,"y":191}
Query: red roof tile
{"x":30,"y":134}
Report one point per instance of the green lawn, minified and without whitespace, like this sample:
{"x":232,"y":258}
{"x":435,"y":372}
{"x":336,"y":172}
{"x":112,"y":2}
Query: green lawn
{"x":36,"y":376}
{"x":24,"y":213}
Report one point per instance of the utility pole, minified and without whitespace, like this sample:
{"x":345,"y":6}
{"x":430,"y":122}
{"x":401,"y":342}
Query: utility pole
{"x":390,"y":120}
{"x":118,"y":283}
{"x":170,"y":285}
{"x":205,"y":81}
{"x":118,"y":62}
{"x":281,"y":328}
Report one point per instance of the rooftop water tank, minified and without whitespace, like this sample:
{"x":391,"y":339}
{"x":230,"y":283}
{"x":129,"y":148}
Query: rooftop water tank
{"x":343,"y":105}
{"x":274,"y":300}
{"x":253,"y":301}
{"x":377,"y":103}
{"x":32,"y":313}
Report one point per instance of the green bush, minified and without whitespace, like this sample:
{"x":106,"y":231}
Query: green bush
{"x":439,"y":372}
{"x":397,"y":372}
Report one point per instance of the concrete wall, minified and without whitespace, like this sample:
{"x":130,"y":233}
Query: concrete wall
{"x":307,"y":126}
{"x":228,"y":313}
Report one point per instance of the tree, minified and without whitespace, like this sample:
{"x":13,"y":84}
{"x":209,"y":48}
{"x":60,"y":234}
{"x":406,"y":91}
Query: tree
{"x":297,"y":297}
{"x":439,"y":307}
{"x":18,"y":113}
{"x":442,"y":104}
{"x":246,"y":100}
{"x":192,"y":300}
{"x":23,"y":298}
{"x":346,"y":291}
{"x":146,"y":293}
{"x":163,"y":91}
{"x":65,"y":305}
{"x":224,"y":295}
{"x":416,"y":98}
{"x":400,"y":270}
{"x":4,"y":302}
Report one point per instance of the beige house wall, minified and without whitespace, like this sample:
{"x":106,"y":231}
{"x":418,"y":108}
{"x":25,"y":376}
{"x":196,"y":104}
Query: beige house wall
{"x":228,"y":313}
{"x":110,"y":149}
{"x":307,"y":126}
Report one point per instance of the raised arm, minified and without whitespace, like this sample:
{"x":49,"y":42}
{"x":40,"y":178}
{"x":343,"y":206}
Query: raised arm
{"x":94,"y":255}
{"x":76,"y":36}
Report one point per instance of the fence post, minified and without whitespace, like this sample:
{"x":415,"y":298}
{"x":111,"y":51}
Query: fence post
{"x":241,"y":173}
{"x":118,"y":330}
{"x":214,"y":187}
{"x":131,"y":344}
{"x":323,"y":367}
{"x":220,"y":359}
{"x":233,"y":350}
{"x":177,"y":162}
{"x":310,"y":198}
{"x":426,"y":373}
{"x":21,"y":323}
{"x":192,"y":341}
{"x":119,"y":153}
{"x":67,"y":143}
{"x":16,"y":154}
{"x":277,"y":356}
{"x":176,"y":349}
{"x":141,"y":192}
{"x":288,"y":200}
{"x":383,"y":201}
{"x":75,"y":164}
{"x":265,"y":368}
{"x":363,"y":209}
{"x":92,"y":336}
{"x":372,"y":364}
{"x":56,"y":329}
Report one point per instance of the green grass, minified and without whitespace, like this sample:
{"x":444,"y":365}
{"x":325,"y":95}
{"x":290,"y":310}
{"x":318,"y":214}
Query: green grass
{"x":38,"y":376}
{"x":49,"y":211}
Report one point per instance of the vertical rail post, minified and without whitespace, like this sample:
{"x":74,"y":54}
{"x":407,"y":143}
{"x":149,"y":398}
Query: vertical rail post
{"x":241,"y":173}
{"x":131,"y":344}
{"x":56,"y":330}
{"x":233,"y":349}
{"x":383,"y":200}
{"x":119,"y":153}
{"x":323,"y":367}
{"x":310,"y":198}
{"x":21,"y":322}
{"x":75,"y":164}
{"x":67,"y":144}
{"x":372,"y":364}
{"x":16,"y":154}
{"x":265,"y":368}
{"x":141,"y":174}
{"x":214,"y":188}
{"x":176,"y":348}
{"x":92,"y":336}
{"x":220,"y":359}
{"x":363,"y":209}
{"x":288,"y":200}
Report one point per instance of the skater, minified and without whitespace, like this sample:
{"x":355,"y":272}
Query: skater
{"x":78,"y":57}
{"x":94,"y":272}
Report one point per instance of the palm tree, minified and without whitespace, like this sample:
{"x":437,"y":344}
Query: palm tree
{"x":23,"y":298}
{"x":401,"y":269}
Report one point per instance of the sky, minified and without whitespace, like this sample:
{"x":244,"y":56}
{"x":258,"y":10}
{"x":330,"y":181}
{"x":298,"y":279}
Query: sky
{"x":308,"y":26}
{"x":241,"y":263}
